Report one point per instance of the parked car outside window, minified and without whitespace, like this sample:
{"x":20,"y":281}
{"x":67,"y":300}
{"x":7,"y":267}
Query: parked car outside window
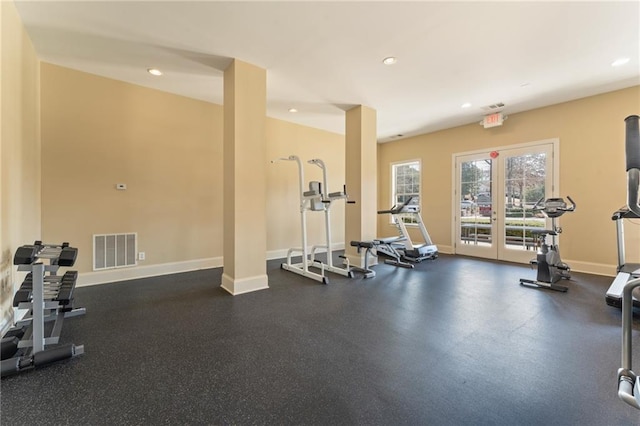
{"x":467,"y":204}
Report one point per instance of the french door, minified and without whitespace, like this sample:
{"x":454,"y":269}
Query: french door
{"x":493,"y":199}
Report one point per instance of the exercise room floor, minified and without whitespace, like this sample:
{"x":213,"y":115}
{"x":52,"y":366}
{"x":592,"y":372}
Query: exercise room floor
{"x":456,"y":341}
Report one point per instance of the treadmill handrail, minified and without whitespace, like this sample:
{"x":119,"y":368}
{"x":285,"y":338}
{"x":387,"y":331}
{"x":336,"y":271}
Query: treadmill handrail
{"x":396,"y":208}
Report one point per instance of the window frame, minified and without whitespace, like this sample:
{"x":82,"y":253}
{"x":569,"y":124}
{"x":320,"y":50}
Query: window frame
{"x":407,"y":219}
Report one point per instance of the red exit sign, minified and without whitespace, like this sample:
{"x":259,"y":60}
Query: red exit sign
{"x":493,"y":120}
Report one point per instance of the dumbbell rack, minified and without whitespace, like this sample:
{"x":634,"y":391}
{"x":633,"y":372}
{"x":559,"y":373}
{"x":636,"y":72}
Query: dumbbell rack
{"x":48,"y":298}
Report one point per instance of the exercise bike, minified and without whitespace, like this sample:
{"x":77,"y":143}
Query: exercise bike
{"x":551,"y":268}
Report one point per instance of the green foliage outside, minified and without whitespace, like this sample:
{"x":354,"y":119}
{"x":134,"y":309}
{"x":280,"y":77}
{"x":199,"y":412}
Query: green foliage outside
{"x":524,"y":180}
{"x":519,"y":212}
{"x":527,"y":233}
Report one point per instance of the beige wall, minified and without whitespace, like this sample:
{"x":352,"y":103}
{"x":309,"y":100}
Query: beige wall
{"x":167,"y":149}
{"x":283,"y":193}
{"x":591,"y":134}
{"x":97,"y":132}
{"x":20,"y":150}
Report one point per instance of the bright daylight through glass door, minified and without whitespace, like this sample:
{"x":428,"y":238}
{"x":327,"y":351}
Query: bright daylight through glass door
{"x":524,"y":186}
{"x":496,"y":194}
{"x":475,"y":225}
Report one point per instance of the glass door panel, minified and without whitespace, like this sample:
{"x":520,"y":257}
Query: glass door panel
{"x":475,"y":233}
{"x":526,"y":179}
{"x":495,"y":194}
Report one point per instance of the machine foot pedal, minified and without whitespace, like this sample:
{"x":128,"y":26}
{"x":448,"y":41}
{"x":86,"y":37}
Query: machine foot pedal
{"x":540,"y":284}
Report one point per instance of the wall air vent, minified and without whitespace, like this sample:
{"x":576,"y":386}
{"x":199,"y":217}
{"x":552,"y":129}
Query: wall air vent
{"x":114,"y":251}
{"x":494,"y":107}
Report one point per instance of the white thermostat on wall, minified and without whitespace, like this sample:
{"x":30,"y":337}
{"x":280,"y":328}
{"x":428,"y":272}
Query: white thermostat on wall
{"x":121,"y":186}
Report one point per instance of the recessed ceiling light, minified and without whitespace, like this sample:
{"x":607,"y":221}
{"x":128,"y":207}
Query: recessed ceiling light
{"x":620,"y":61}
{"x":466,"y":105}
{"x":154,"y":71}
{"x":390,"y":60}
{"x":293,"y":110}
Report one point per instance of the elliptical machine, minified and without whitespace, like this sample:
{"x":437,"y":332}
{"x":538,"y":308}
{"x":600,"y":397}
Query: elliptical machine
{"x":628,"y":383}
{"x":627,"y":271}
{"x":551,"y":268}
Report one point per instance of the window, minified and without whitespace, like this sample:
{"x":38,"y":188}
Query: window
{"x":406,"y":183}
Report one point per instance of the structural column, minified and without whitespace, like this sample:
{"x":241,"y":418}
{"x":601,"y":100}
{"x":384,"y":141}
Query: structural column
{"x":244,"y":174}
{"x":361,"y":178}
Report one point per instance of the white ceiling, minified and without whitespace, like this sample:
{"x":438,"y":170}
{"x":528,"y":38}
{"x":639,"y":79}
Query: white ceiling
{"x":325,"y":57}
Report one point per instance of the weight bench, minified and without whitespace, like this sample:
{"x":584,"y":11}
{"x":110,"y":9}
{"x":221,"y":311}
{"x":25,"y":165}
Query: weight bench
{"x":369,"y":245}
{"x":386,"y":247}
{"x":382,"y":246}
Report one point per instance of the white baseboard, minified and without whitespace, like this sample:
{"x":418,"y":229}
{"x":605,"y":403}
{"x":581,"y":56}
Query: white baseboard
{"x":281,"y":254}
{"x":244,"y":285}
{"x":123,"y":274}
{"x":357,"y":260}
{"x":592,"y":268}
{"x":135,"y":272}
{"x":445,"y":249}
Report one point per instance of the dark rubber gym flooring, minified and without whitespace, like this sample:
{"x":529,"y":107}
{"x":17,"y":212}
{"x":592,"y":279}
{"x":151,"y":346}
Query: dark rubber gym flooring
{"x":456,"y":341}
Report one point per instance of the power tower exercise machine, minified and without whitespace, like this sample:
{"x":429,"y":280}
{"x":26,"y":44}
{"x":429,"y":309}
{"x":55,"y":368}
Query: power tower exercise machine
{"x":628,"y":383}
{"x":315,"y":200}
{"x":401,"y":249}
{"x":48,"y":299}
{"x":551,"y":268}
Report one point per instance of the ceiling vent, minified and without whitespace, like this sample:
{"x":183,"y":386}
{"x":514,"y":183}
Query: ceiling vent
{"x":494,"y":107}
